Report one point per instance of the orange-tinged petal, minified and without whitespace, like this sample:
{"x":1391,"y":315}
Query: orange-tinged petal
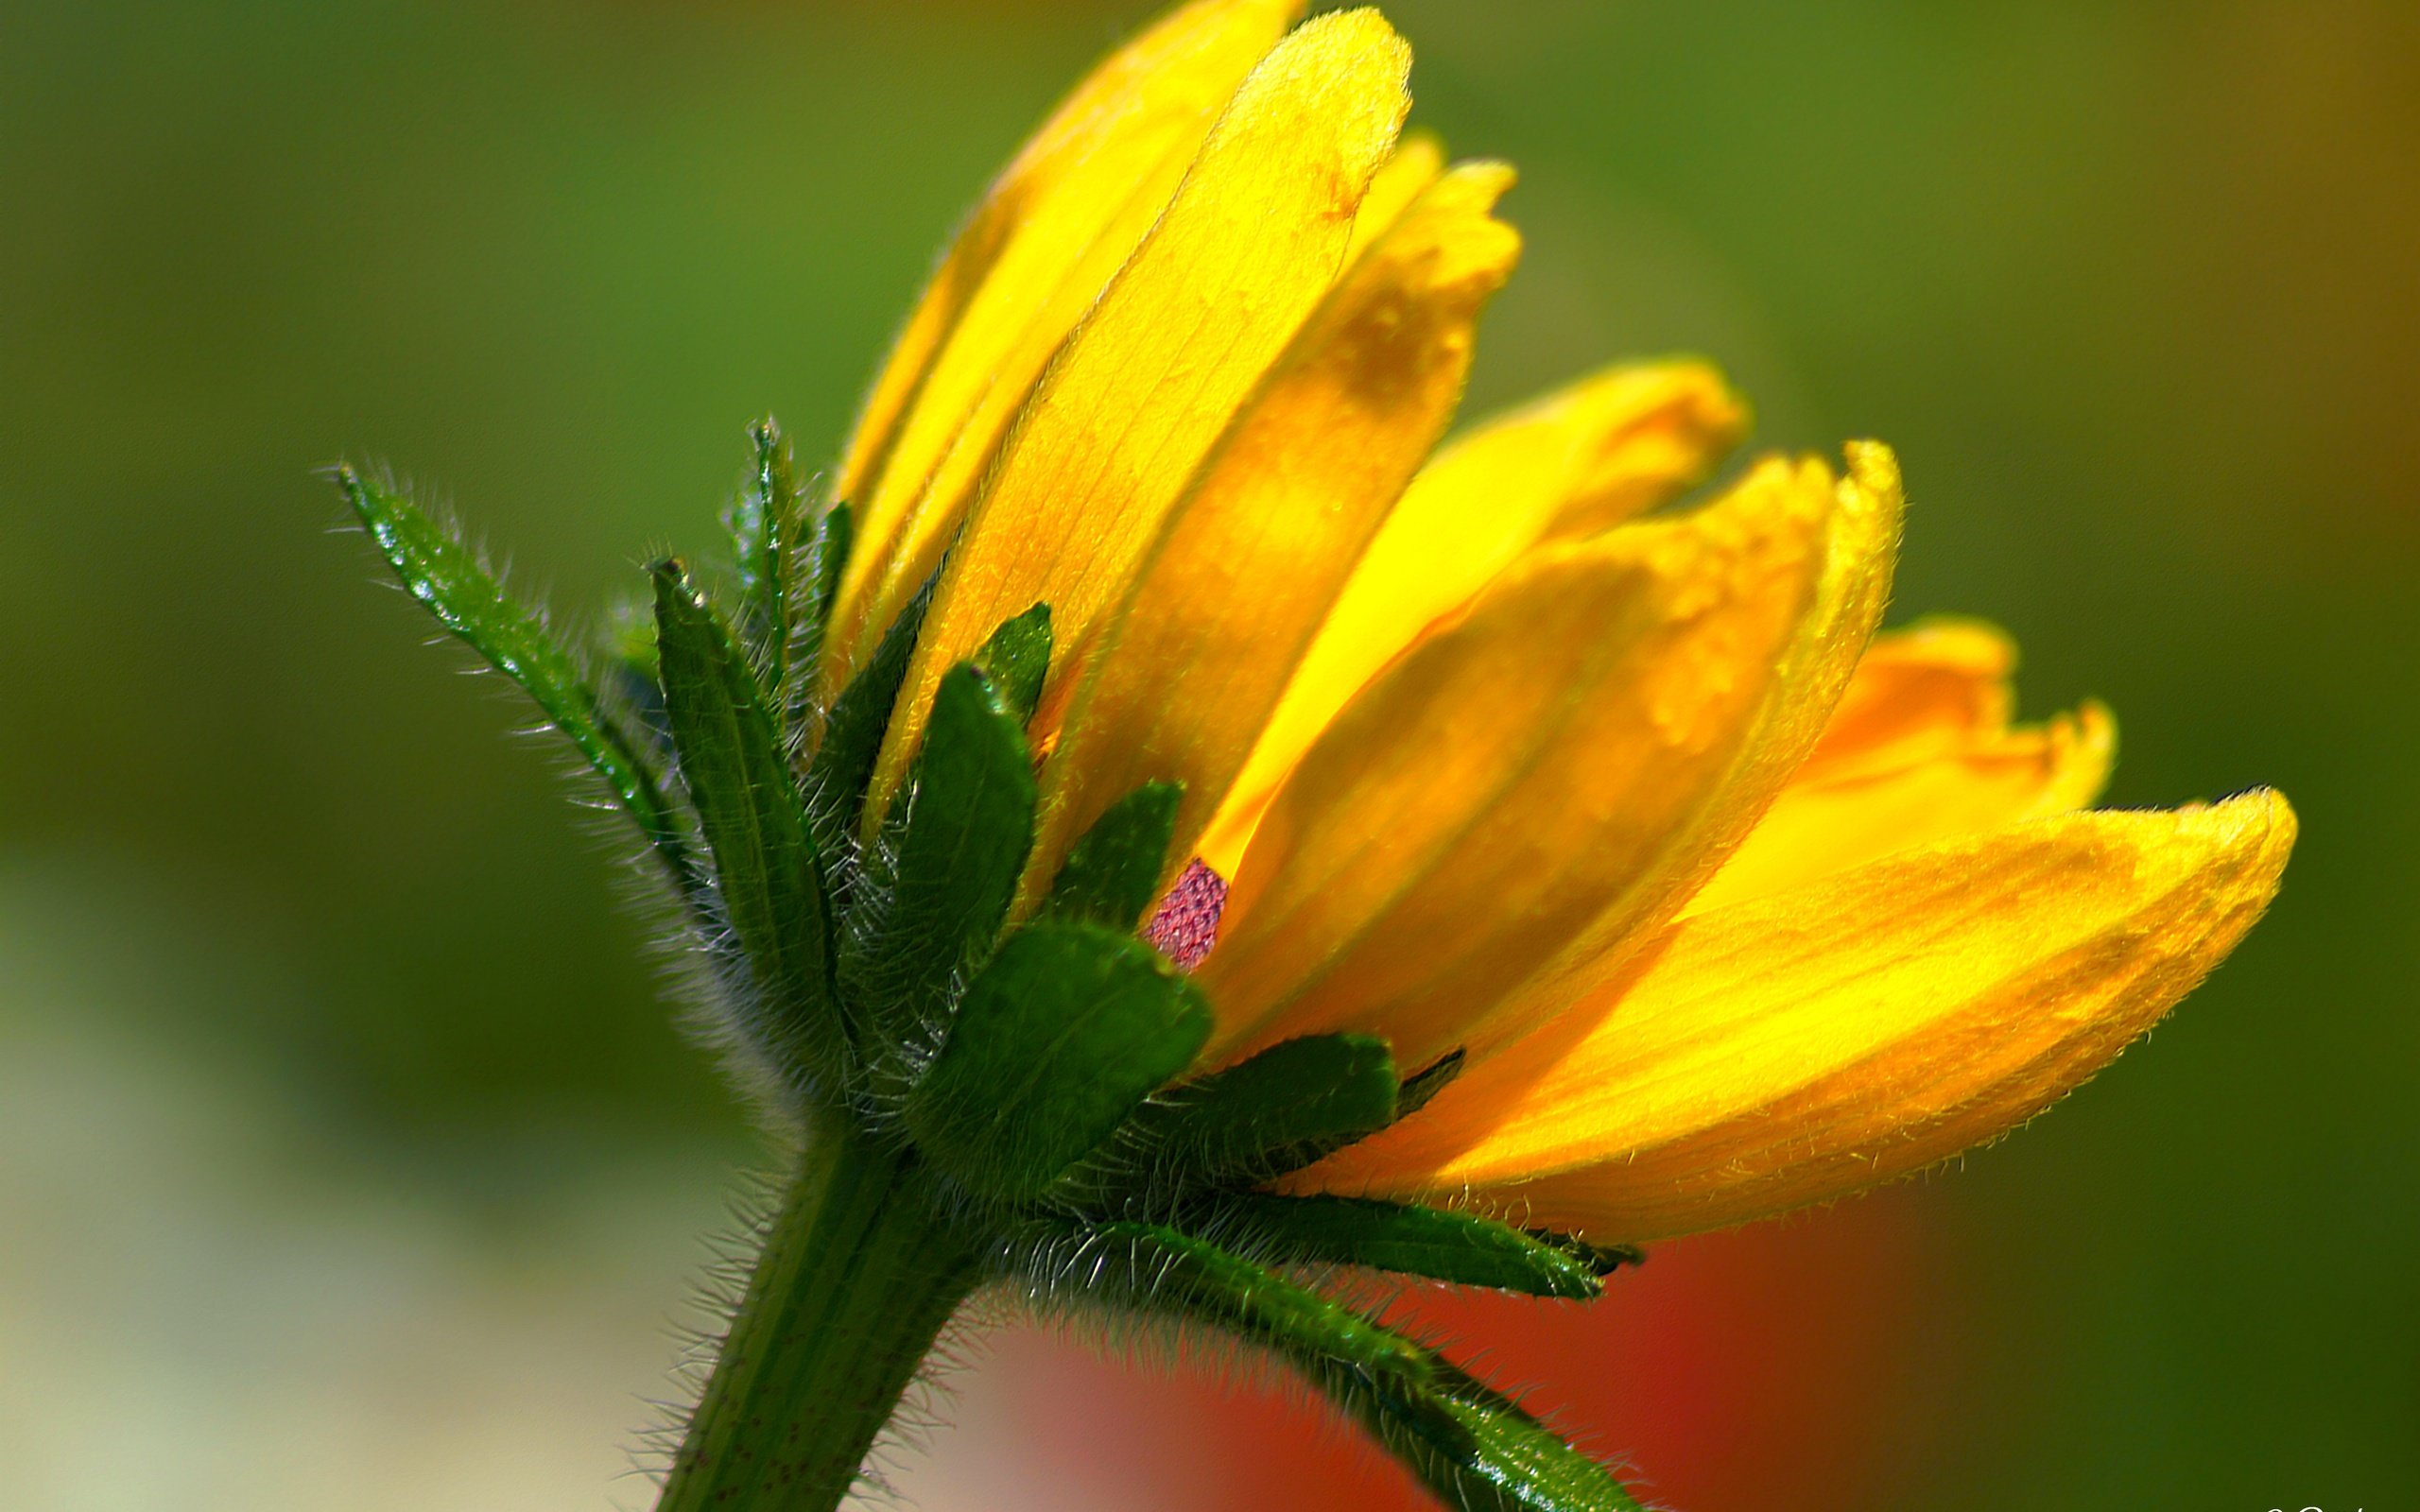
{"x":1816,"y":828}
{"x":1523,"y":779}
{"x":1860,"y":552}
{"x":1246,"y":566}
{"x":1805,"y":1046}
{"x":1055,"y":227}
{"x":1144,"y":386}
{"x":1418,"y":162}
{"x":1615,"y":444}
{"x":1931,"y":688}
{"x":1829,"y":824}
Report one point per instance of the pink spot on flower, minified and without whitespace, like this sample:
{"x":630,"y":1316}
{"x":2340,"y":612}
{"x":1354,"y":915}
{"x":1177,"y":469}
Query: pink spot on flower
{"x":1185,"y":924}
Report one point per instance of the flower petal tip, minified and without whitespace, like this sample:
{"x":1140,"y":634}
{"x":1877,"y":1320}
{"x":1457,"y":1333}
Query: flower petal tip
{"x":2256,"y":830}
{"x":1798,"y":1049}
{"x":1874,"y":469}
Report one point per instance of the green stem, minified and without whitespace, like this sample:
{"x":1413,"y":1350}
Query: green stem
{"x":855,"y":1281}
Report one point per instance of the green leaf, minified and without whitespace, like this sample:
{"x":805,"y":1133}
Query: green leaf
{"x":843,"y":764}
{"x":768,"y":530}
{"x":1472,"y":1446}
{"x":1017,"y":659}
{"x":1058,"y":1039}
{"x":1459,"y":1247}
{"x":1275,"y":1112}
{"x":448,"y":578}
{"x":939,"y":886}
{"x":771,"y":883}
{"x":1111,"y":875}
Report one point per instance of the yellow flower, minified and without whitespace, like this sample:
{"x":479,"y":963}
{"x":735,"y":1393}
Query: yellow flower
{"x":1730,"y":905}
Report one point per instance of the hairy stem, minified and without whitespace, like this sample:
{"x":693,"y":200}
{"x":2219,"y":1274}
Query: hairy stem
{"x":856,"y":1279}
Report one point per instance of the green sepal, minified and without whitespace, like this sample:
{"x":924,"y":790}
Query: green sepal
{"x":1273,"y":1113}
{"x":1603,"y":1259}
{"x":1111,"y":875}
{"x":1458,"y":1247}
{"x":1472,"y":1446}
{"x":835,"y":534}
{"x":739,"y":778}
{"x":1155,"y":1268}
{"x":1428,"y":1082}
{"x":1064,"y":1031}
{"x":1017,"y":659}
{"x":448,"y":578}
{"x":769,"y":533}
{"x":843,"y":764}
{"x":818,"y":581}
{"x":938,"y":887}
{"x":819,"y":567}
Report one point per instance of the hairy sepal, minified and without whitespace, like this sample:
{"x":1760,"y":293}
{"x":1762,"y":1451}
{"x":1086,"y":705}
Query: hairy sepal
{"x":769,"y":879}
{"x":769,"y":528}
{"x":935,"y":890}
{"x":1111,"y":875}
{"x":852,"y":731}
{"x":1017,"y":659}
{"x":448,"y":578}
{"x":1459,"y":1248}
{"x":1157,"y":1270}
{"x":1471,"y":1445}
{"x":1057,"y":1040}
{"x":1258,"y":1119}
{"x":818,"y":569}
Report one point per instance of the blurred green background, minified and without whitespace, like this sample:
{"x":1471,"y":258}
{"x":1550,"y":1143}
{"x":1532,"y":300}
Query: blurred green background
{"x":346,"y":1155}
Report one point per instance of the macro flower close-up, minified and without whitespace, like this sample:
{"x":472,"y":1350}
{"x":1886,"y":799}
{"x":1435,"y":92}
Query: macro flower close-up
{"x":1172,"y":836}
{"x":1493,"y":753}
{"x":1172,"y":830}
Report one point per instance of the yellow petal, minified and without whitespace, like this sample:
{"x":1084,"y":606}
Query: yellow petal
{"x":1218,"y":615}
{"x":1935,"y":687}
{"x":1141,"y":389}
{"x":1613,"y":444}
{"x":1056,"y":226}
{"x":1802,"y":685}
{"x":1530,"y":778}
{"x":1860,"y":552}
{"x":1419,"y":158}
{"x":1828,"y":824}
{"x":1802,"y":1047}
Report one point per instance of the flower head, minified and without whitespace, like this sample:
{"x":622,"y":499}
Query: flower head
{"x":1174,"y":824}
{"x":1728,"y":902}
